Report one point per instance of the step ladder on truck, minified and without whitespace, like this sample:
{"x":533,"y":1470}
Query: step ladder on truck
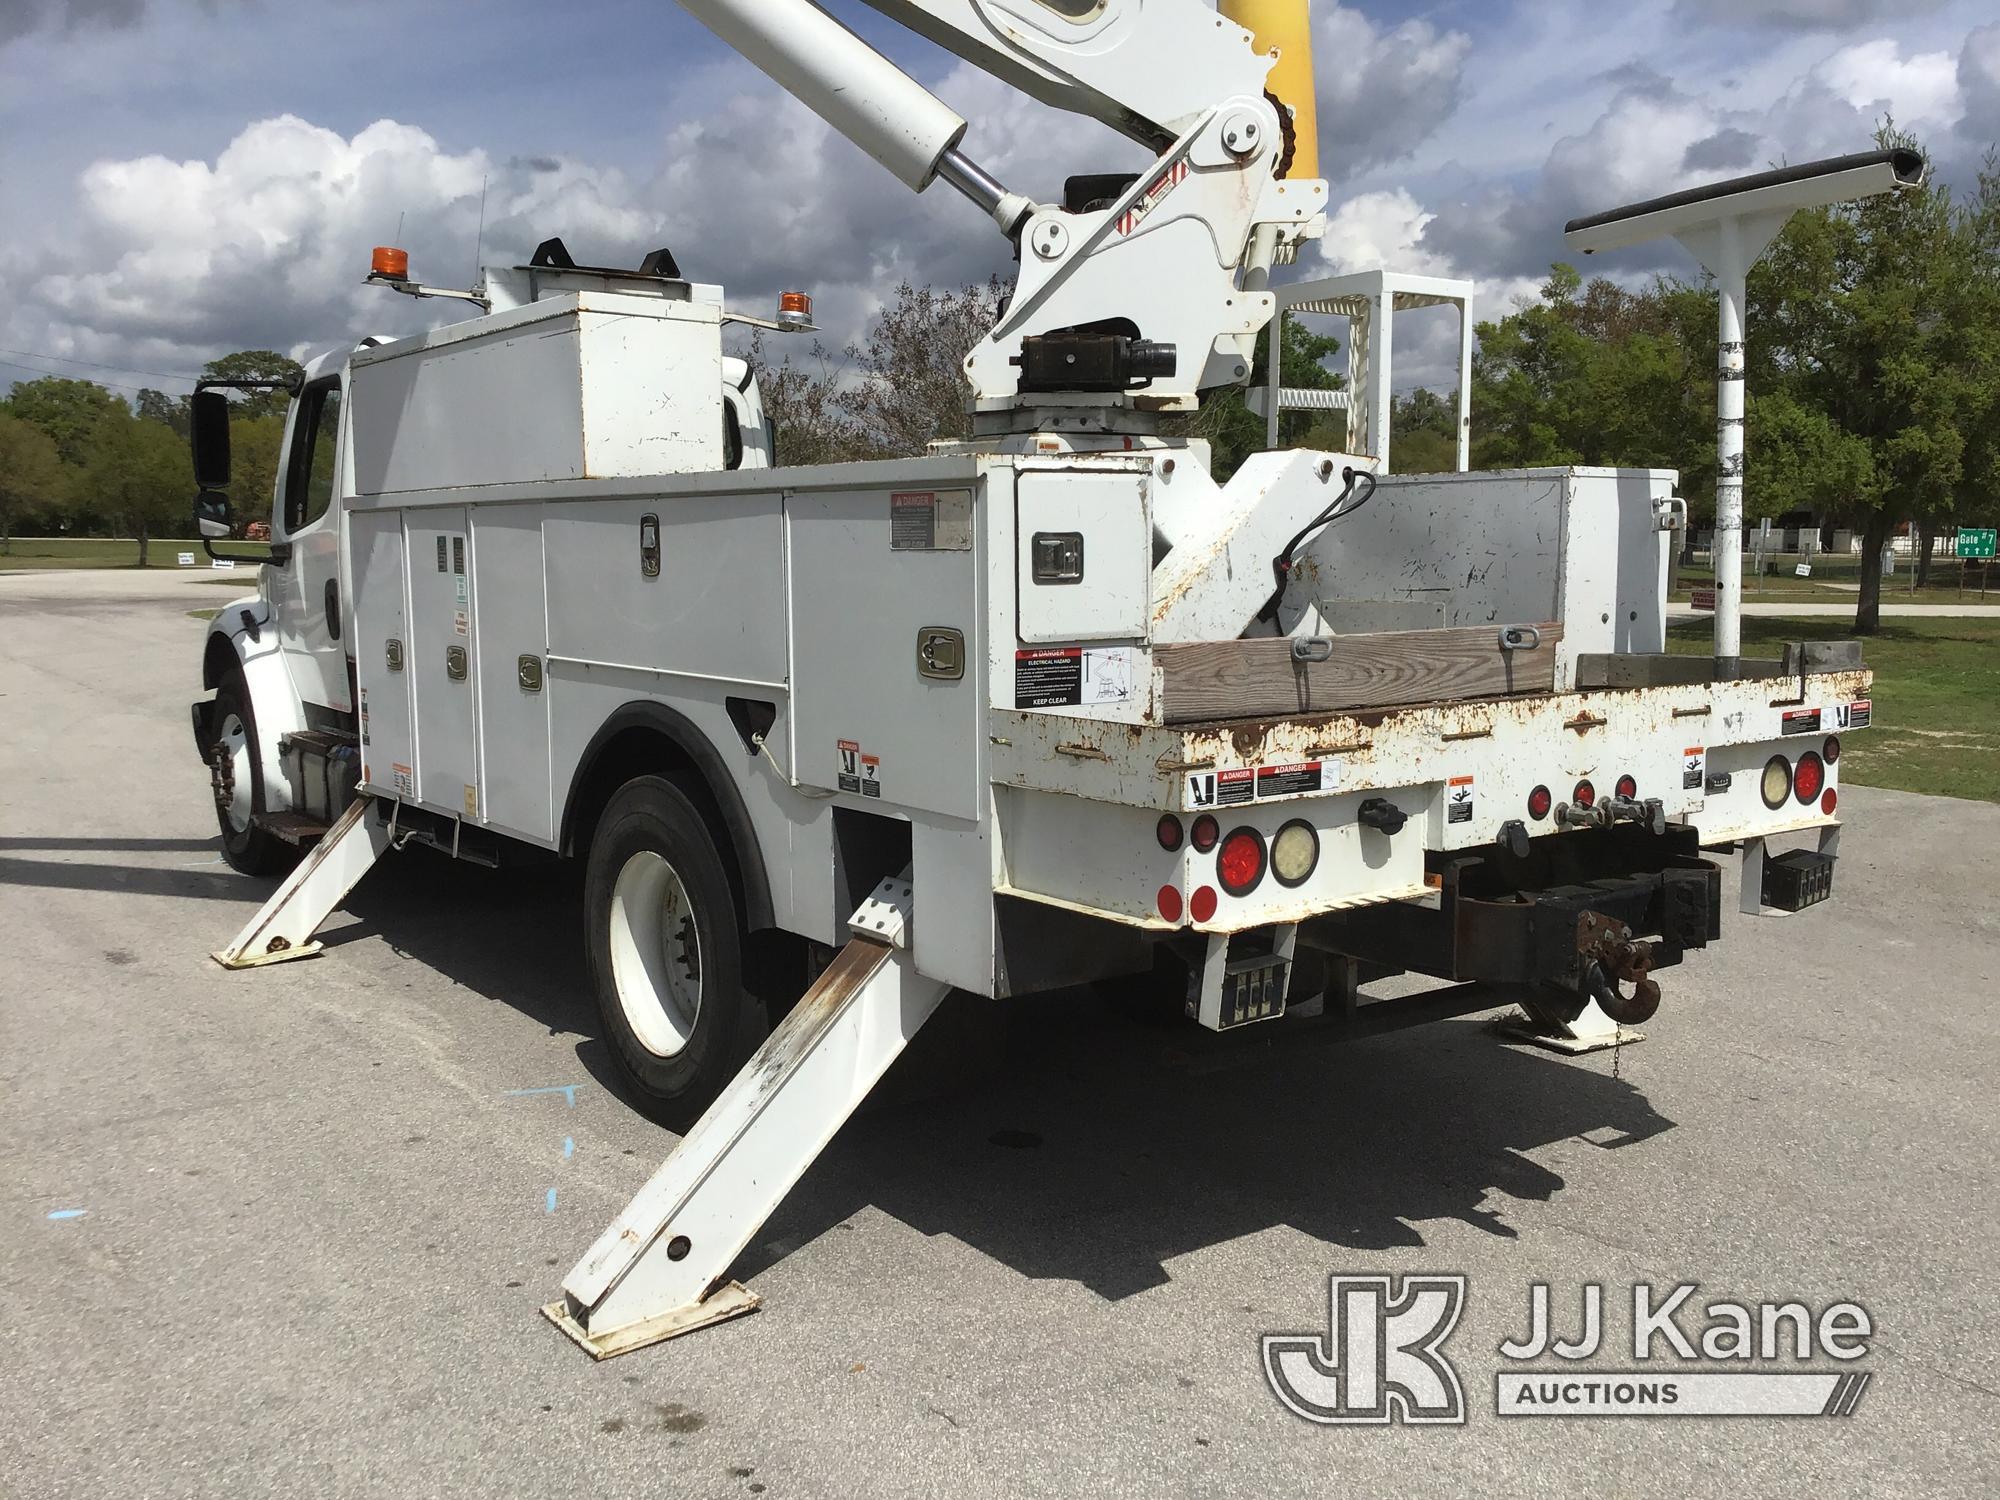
{"x":1045,"y":706}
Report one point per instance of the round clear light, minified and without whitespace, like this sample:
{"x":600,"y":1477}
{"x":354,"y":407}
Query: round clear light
{"x":1777,"y":785}
{"x":1294,"y":854}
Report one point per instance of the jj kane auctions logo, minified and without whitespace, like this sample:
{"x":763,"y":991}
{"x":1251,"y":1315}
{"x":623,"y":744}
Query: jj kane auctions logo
{"x":1381,"y":1359}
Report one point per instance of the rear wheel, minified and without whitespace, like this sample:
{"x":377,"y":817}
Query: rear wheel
{"x":666,"y":953}
{"x":236,"y":774}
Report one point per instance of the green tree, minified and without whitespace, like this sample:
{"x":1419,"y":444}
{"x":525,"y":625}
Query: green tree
{"x":257,"y":364}
{"x":170,"y":411}
{"x":1425,"y":433}
{"x":31,"y":473}
{"x":138,"y":476}
{"x":1868,"y":306}
{"x":67,"y":411}
{"x":1233,"y":431}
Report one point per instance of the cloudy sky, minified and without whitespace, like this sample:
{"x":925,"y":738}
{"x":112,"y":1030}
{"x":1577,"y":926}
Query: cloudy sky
{"x":179,"y":178}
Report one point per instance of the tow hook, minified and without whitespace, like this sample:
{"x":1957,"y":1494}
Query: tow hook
{"x":1609,"y":957}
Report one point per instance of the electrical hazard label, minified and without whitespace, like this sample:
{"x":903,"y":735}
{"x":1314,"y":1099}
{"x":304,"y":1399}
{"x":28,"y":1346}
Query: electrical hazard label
{"x":1802,"y":721}
{"x":1460,"y":799}
{"x":404,"y":780}
{"x":930,"y":521}
{"x":1858,"y":715}
{"x":1694,"y":768}
{"x":1071,"y":677}
{"x":860,"y":772}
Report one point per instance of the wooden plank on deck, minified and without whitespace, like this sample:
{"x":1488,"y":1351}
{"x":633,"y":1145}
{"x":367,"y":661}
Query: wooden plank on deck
{"x":1396,"y":669}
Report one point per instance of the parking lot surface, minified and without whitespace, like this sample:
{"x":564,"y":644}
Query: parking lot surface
{"x":286,"y":1231}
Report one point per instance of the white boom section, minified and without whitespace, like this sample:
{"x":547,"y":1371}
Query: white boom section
{"x":840,"y":78}
{"x":284,"y":925}
{"x":659,"y":1270}
{"x":1148,"y":68}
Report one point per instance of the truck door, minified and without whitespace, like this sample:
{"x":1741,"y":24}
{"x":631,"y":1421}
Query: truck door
{"x":442,"y":659}
{"x":305,"y":593}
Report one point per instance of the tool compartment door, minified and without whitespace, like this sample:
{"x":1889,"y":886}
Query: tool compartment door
{"x":441,"y":663}
{"x":868,"y":584}
{"x":510,"y":630}
{"x":381,"y":647}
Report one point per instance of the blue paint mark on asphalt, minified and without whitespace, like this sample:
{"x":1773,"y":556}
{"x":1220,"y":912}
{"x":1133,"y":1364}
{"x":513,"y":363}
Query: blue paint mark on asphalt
{"x":71,"y":1213}
{"x":569,"y":1148}
{"x":567,"y":1090}
{"x":552,"y":1200}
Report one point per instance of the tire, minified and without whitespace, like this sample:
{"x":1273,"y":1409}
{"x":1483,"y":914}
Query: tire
{"x":666,"y":953}
{"x":247,"y":848}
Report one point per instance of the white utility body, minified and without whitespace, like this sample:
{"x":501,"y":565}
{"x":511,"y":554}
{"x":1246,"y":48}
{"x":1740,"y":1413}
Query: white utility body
{"x":1042,"y":707}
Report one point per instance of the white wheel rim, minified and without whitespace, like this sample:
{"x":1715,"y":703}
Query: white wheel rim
{"x":655,"y":954}
{"x":235,"y":741}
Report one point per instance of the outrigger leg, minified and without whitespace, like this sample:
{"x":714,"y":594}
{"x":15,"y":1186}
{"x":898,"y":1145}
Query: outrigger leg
{"x":661,"y":1269}
{"x":284,"y":926}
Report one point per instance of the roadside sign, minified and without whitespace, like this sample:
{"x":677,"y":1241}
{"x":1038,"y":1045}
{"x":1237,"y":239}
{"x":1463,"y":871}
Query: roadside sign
{"x":223,"y":565}
{"x":1977,"y":544}
{"x":187,"y":559}
{"x":1805,"y":570}
{"x":1704,"y":600}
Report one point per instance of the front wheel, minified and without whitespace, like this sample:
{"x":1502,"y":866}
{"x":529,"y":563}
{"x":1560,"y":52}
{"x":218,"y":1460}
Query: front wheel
{"x":236,"y":774}
{"x":666,"y":953}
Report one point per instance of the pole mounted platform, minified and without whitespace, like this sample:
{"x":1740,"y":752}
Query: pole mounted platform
{"x":1727,"y":227}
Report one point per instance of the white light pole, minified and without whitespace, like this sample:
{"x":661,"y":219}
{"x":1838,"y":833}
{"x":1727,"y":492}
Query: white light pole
{"x":1728,"y":227}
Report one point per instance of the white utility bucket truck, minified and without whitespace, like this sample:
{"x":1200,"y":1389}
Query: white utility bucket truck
{"x":1042,"y":707}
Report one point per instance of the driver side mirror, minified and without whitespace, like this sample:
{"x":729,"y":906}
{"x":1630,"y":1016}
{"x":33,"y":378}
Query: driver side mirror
{"x":208,"y":436}
{"x":212,"y":517}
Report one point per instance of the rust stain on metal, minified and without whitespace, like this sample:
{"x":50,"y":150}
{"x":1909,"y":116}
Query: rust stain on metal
{"x":1586,"y":721}
{"x":1082,"y":752}
{"x":1459,"y":736}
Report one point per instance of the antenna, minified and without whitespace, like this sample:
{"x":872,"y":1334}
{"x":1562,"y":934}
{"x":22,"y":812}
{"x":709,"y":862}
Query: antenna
{"x":479,"y":240}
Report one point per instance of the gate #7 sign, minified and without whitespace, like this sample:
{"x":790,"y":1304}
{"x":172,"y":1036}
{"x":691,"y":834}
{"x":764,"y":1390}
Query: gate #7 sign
{"x":1977,"y":545}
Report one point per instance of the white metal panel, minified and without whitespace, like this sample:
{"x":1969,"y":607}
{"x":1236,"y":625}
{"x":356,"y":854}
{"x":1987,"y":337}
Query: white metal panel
{"x":388,"y":746}
{"x":440,"y":628}
{"x":513,"y":705}
{"x":858,"y":606}
{"x":597,"y":385}
{"x":1108,"y":512}
{"x":1615,"y":559}
{"x":715,"y":610}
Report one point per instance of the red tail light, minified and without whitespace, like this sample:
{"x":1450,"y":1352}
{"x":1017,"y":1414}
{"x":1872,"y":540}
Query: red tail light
{"x":1206,"y":832}
{"x":1240,"y":865}
{"x":1585,"y":795}
{"x":1809,"y":778}
{"x":1170,"y":902}
{"x":1628,"y":787}
{"x":1833,"y":749}
{"x":1170,"y":833}
{"x":1540,"y":800}
{"x":1202,"y":905}
{"x":1829,"y":802}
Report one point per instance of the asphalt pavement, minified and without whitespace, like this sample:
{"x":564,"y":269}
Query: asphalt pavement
{"x":286,"y":1231}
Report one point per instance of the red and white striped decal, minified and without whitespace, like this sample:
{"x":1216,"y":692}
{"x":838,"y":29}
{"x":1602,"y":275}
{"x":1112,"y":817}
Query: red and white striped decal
{"x":1164,"y":184}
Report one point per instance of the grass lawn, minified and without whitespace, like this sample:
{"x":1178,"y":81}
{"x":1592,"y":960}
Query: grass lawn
{"x":1838,"y":579}
{"x":96,"y":552}
{"x":1937,"y":699}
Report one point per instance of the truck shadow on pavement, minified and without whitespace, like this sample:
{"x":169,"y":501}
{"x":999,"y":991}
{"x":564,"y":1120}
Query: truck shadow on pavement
{"x":1069,"y":1142}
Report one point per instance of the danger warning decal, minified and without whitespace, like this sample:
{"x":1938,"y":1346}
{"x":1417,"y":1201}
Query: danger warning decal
{"x":1154,"y":195}
{"x":1072,"y":677}
{"x":1802,"y":721}
{"x":1694,"y":768}
{"x":860,"y":772}
{"x":1207,"y":790}
{"x":1857,"y":715}
{"x":1460,"y":799}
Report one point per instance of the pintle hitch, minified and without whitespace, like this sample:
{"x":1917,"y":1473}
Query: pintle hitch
{"x":1608,"y":957}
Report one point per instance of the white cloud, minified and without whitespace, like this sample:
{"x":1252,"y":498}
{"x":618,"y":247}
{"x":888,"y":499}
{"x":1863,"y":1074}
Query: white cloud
{"x":1979,"y":85}
{"x":1921,"y":89}
{"x":1382,"y":92}
{"x":1812,"y":15}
